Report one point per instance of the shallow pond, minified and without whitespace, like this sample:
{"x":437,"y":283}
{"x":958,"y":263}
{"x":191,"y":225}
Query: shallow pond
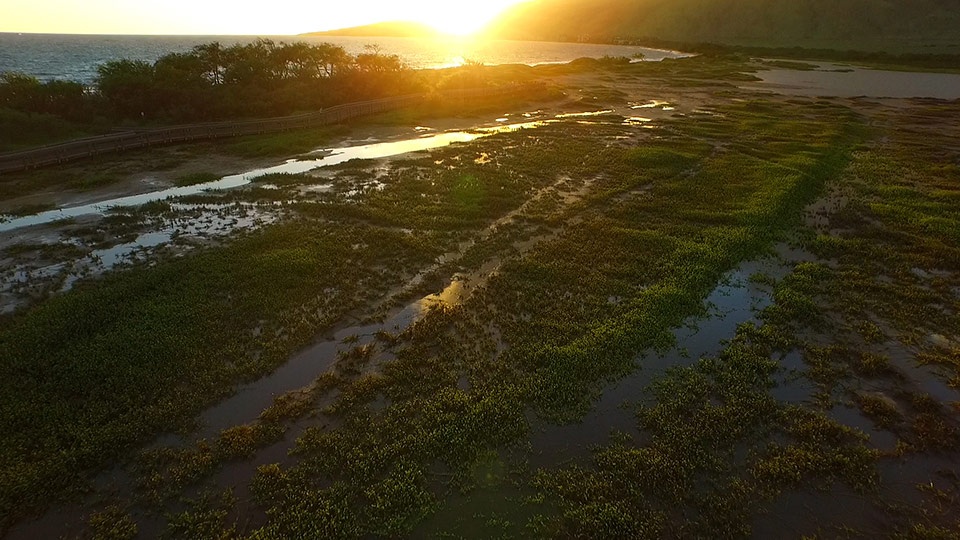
{"x":24,"y":279}
{"x":737,"y":299}
{"x":326,"y":158}
{"x":847,"y":81}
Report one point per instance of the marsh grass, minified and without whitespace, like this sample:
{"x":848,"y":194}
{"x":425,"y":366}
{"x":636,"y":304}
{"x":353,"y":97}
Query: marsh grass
{"x":151,"y":362}
{"x":453,"y":409}
{"x":29,"y":209}
{"x":703,"y":212}
{"x":788,"y":64}
{"x":196,"y":178}
{"x":113,"y":523}
{"x":286,"y":143}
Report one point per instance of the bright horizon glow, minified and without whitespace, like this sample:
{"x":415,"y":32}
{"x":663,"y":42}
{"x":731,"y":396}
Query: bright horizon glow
{"x":218,"y":17}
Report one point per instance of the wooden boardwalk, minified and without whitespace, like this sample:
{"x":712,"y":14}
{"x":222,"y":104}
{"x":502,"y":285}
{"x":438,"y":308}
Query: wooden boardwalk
{"x":118,"y":142}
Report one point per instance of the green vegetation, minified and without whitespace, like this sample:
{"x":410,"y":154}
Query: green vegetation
{"x":29,"y":209}
{"x":577,"y":249}
{"x":563,"y":339}
{"x":927,"y":26}
{"x":196,"y":178}
{"x":209,"y":82}
{"x":688,"y":476}
{"x":92,"y":381}
{"x":212,"y":82}
{"x":21,"y":130}
{"x":112,"y":524}
{"x":689,"y":479}
{"x":33,"y":113}
{"x":287,"y":143}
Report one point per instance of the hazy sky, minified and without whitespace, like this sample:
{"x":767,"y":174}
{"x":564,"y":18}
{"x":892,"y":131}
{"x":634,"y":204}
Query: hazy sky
{"x":276,"y":17}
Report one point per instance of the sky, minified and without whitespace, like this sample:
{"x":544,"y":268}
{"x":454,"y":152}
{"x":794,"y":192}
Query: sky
{"x":215,"y":17}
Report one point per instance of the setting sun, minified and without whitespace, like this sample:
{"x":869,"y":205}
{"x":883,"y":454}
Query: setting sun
{"x":462,"y":18}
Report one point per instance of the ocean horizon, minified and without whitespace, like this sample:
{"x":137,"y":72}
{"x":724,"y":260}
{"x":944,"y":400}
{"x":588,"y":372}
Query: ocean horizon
{"x":76,"y":56}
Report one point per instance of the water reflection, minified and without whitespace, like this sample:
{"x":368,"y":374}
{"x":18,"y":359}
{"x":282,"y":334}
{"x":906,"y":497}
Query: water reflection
{"x":654,"y":104}
{"x":327,"y":158}
{"x":583,"y":114}
{"x":831,"y":80}
{"x":19,"y":283}
{"x":737,"y":299}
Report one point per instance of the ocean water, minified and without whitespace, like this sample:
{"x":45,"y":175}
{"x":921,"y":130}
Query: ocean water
{"x":76,"y":57}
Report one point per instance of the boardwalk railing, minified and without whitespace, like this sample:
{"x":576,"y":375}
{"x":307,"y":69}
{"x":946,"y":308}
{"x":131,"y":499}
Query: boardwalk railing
{"x":117,"y":142}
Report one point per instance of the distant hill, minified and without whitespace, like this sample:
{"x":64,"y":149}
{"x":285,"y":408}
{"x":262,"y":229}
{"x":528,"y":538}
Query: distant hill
{"x":891,"y":25}
{"x":384,"y":29}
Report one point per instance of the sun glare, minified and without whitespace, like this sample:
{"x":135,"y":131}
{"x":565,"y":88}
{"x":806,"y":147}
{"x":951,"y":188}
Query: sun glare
{"x":464,"y":18}
{"x":460,"y":21}
{"x":208,"y":18}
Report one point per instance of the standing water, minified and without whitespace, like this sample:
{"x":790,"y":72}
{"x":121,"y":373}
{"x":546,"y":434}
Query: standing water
{"x":294,"y":166}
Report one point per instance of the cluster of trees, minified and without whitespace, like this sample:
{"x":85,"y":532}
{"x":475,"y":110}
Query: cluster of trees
{"x":32,"y":112}
{"x":66,"y":99}
{"x":211,"y":81}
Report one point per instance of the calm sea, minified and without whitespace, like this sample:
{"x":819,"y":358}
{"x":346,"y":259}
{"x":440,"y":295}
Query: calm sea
{"x":76,"y":57}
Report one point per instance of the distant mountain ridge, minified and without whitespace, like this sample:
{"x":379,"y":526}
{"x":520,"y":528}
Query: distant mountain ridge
{"x":854,"y":24}
{"x":383,"y":29}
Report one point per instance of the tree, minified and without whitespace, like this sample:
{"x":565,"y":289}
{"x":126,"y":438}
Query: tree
{"x":67,"y":99}
{"x":212,"y":58}
{"x":331,"y":59}
{"x":251,"y":64}
{"x":19,"y":91}
{"x":374,"y":61}
{"x":182,"y":90}
{"x":294,"y":61}
{"x":128,"y":86}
